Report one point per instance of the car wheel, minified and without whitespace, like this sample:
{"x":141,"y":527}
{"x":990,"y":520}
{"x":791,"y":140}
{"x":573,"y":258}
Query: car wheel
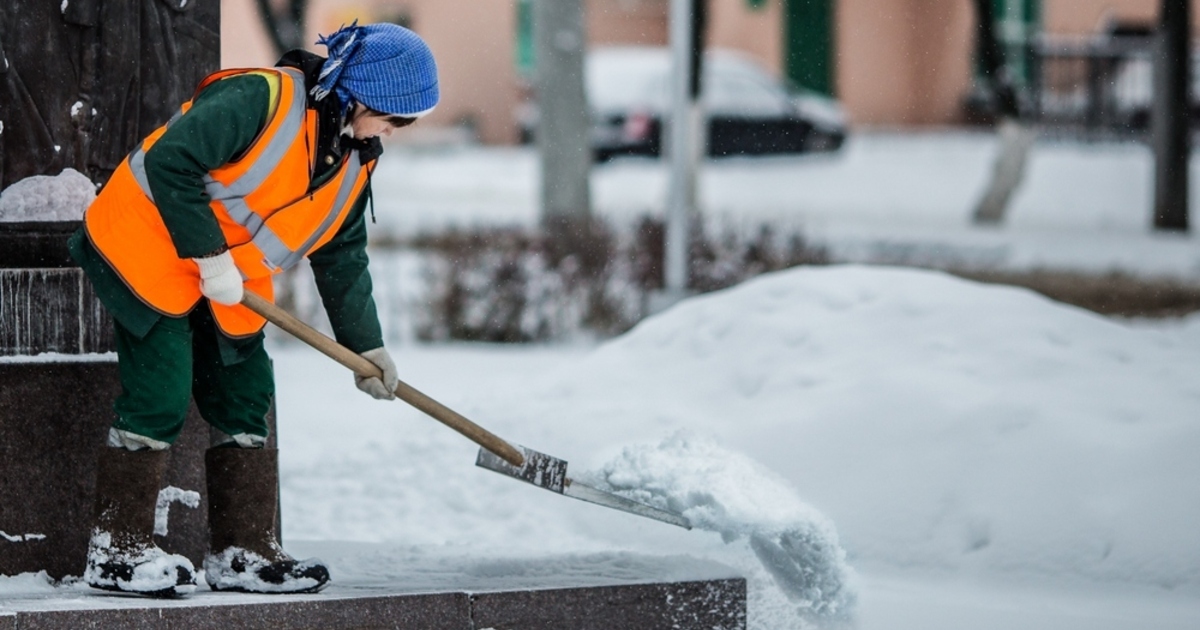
{"x":820,"y":141}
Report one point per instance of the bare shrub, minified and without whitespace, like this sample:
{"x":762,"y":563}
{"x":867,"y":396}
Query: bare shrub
{"x":578,"y":277}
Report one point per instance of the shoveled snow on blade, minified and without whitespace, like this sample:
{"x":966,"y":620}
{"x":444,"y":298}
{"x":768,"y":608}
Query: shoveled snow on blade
{"x":728,"y":493}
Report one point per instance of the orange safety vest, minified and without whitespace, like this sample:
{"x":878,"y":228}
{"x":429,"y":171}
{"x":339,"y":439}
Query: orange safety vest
{"x":262,"y":203}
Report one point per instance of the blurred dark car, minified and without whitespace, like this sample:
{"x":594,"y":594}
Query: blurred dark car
{"x":749,"y":112}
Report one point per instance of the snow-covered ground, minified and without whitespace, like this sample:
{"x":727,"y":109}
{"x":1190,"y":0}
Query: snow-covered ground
{"x":983,"y":457}
{"x":973,"y":446}
{"x":885,"y":198}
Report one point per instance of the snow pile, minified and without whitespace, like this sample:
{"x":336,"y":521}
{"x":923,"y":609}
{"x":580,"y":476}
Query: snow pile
{"x":728,"y":493}
{"x":27,"y":583}
{"x":940,"y":423}
{"x":59,"y":357}
{"x":61,"y":197}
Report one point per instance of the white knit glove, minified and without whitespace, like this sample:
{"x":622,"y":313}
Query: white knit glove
{"x":220,"y":280}
{"x":379,"y":390}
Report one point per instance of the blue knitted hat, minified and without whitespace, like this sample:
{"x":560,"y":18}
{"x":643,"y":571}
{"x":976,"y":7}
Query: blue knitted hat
{"x":383,"y":66}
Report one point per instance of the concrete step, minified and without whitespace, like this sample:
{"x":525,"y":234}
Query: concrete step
{"x":708,"y":604}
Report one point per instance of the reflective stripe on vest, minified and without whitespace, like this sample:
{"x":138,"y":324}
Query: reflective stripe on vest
{"x":276,"y":252}
{"x":232,"y":196}
{"x":137,"y":159}
{"x":263,"y":166}
{"x":266,"y":207}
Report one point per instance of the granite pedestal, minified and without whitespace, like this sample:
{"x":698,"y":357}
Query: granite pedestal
{"x":714,"y":604}
{"x":56,"y":409}
{"x":54,"y":418}
{"x":46,"y":303}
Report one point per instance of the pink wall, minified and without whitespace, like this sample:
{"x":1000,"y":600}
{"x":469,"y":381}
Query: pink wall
{"x":635,"y":22}
{"x":757,"y":32}
{"x":244,"y":44}
{"x":899,"y":62}
{"x":903,"y":61}
{"x":473,"y":41}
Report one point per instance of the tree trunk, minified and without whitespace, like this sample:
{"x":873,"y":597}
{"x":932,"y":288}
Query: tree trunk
{"x":1008,"y":170}
{"x":1016,"y":139}
{"x":284,"y":26}
{"x":1172,"y":103}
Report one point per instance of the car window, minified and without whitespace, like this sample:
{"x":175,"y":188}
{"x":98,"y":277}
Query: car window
{"x":736,"y":94}
{"x":621,"y":80}
{"x":624,"y":79}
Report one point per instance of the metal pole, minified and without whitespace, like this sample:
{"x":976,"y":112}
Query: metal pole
{"x":1172,"y":137}
{"x":564,"y":118}
{"x":684,"y":145}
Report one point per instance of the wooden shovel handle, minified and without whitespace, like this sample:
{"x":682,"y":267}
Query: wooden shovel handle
{"x":363,"y":367}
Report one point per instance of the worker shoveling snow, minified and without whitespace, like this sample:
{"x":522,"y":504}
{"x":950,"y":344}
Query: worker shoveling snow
{"x":728,"y":493}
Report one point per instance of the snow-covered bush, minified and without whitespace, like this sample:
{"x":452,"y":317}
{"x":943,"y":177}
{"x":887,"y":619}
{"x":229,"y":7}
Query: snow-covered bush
{"x":519,"y":285}
{"x":572,"y":278}
{"x":510,"y":285}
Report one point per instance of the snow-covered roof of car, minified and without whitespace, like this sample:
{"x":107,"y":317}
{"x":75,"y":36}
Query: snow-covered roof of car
{"x":630,"y":77}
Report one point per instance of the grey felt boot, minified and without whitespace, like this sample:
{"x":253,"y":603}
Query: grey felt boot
{"x":122,"y":555}
{"x":244,"y":554}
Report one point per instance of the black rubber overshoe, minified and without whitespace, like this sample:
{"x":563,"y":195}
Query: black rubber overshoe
{"x":151,"y":572}
{"x":243,"y":492}
{"x":247,"y":572}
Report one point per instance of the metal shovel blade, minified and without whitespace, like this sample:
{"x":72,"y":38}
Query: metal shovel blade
{"x":545,"y":471}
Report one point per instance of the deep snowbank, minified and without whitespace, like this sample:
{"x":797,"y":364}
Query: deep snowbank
{"x":938,"y":424}
{"x":937,"y":421}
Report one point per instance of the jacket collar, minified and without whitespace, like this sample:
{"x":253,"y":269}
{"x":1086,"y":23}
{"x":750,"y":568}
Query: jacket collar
{"x":329,"y":119}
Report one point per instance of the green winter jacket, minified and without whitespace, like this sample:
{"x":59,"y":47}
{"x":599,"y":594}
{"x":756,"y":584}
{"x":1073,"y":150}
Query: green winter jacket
{"x":225,"y":119}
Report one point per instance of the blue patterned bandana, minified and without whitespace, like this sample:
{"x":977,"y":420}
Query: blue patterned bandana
{"x":383,"y":66}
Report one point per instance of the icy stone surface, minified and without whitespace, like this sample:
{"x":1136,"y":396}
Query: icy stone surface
{"x":61,"y":357}
{"x":61,"y":197}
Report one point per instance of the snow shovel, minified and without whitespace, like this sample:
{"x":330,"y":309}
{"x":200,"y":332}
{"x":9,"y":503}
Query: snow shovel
{"x":497,"y":455}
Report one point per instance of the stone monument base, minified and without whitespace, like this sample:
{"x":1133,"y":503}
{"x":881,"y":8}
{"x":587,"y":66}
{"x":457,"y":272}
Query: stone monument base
{"x":718,"y":604}
{"x":54,"y":419}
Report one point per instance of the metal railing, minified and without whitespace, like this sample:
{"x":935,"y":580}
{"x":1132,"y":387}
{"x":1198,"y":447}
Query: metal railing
{"x":1092,"y":87}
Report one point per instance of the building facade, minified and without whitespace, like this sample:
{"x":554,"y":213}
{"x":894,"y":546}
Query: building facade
{"x":892,"y":63}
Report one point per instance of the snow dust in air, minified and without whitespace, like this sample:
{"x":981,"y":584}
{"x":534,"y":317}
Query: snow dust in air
{"x":728,"y":493}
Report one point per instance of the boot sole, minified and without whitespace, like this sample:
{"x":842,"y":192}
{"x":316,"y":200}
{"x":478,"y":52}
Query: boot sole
{"x":235,"y":589}
{"x":166,"y":593}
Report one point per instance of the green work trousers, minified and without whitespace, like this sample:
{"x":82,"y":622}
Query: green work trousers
{"x":182,"y":358}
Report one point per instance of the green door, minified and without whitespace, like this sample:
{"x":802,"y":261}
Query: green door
{"x":1016,"y":24}
{"x":523,"y":42}
{"x":1019,"y":25}
{"x":808,"y":44}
